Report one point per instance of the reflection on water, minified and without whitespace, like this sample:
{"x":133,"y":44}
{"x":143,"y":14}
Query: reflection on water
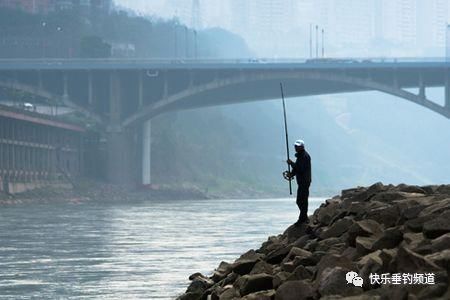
{"x":129,"y":251}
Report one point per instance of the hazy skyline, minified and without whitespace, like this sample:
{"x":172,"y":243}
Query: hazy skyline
{"x":286,"y":28}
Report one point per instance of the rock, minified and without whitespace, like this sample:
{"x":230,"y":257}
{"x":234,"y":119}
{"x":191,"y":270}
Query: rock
{"x":230,"y":279}
{"x":433,"y":292}
{"x":288,"y":266}
{"x":437,"y":226}
{"x":199,"y":284}
{"x":412,"y":212}
{"x":295,"y":290}
{"x":244,"y":264}
{"x":190,"y":296}
{"x":279,"y":278}
{"x":263,"y":295}
{"x":333,"y":260}
{"x":337,"y":229}
{"x":413,"y":240}
{"x":297,"y":252}
{"x":229,"y":293}
{"x":408,"y":261}
{"x":374,"y":256}
{"x":333,"y":282}
{"x":300,"y":273}
{"x":410,"y":189}
{"x":441,"y":259}
{"x":363,"y":228}
{"x":436,"y":208}
{"x":351,"y":253}
{"x":277,"y":255}
{"x":326,"y":212}
{"x":253,"y":283}
{"x":326,"y":244}
{"x":301,"y":242}
{"x":388,"y":215}
{"x":416,"y":224}
{"x":389,"y":196}
{"x":390,"y":238}
{"x":444,"y":189}
{"x":365,"y":244}
{"x":222,"y":271}
{"x":441,"y":243}
{"x":262,"y":267}
{"x":430,"y":189}
{"x":294,"y":232}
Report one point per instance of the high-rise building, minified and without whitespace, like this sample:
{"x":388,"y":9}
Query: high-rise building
{"x":46,"y":6}
{"x":30,"y":6}
{"x":432,"y":23}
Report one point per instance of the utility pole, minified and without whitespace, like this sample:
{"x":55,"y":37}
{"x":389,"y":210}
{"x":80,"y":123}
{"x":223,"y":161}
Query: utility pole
{"x":317,"y":41}
{"x":195,"y":44}
{"x":323,"y":47}
{"x":186,"y":52}
{"x":310,"y":40}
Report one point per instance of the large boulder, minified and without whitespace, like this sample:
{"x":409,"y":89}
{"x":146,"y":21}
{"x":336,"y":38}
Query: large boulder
{"x":327,"y":211}
{"x":337,"y":229}
{"x":199,"y":284}
{"x":441,"y":259}
{"x":365,"y":227}
{"x":333,"y":281}
{"x":390,"y":238}
{"x":262,"y":295}
{"x":441,"y":243}
{"x":334,"y":260}
{"x":222,"y":271}
{"x":280,"y":278}
{"x":437,"y":226}
{"x":262,"y":267}
{"x":244,"y":264}
{"x":295,"y":290}
{"x":253,"y":283}
{"x":388,"y":215}
{"x":408,"y":261}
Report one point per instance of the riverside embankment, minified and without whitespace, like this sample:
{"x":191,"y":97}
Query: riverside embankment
{"x":396,"y":238}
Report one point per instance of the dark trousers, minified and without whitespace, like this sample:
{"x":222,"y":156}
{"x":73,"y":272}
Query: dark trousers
{"x":302,"y":200}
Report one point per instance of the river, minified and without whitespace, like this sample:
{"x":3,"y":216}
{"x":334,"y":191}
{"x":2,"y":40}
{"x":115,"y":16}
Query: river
{"x":128,"y":251}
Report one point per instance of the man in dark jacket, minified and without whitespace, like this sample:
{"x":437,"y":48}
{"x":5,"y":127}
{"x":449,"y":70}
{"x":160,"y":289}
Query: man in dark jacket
{"x":301,"y":169}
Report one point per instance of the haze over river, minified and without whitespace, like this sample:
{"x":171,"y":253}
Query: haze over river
{"x":128,"y":251}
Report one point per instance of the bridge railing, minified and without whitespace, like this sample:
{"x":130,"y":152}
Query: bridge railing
{"x":245,"y":60}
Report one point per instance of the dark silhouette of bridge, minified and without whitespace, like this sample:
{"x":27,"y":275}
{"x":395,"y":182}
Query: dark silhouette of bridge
{"x":121,"y":96}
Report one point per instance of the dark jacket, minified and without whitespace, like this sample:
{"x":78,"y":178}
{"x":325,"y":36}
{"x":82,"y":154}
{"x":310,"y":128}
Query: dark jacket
{"x":302,"y":168}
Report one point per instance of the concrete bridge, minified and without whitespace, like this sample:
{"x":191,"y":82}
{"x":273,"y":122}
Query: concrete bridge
{"x":122,"y":96}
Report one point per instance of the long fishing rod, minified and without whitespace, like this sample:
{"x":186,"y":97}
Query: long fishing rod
{"x":287,"y":139}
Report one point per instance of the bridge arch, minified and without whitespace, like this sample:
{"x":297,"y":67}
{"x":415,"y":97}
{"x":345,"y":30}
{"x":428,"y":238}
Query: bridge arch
{"x":362,"y":84}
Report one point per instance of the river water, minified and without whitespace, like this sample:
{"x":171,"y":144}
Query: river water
{"x":128,"y":251}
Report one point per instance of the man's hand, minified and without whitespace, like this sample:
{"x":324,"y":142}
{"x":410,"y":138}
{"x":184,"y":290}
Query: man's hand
{"x":288,"y":176}
{"x":290,"y":162}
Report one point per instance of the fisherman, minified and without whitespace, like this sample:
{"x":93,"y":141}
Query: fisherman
{"x":301,"y":169}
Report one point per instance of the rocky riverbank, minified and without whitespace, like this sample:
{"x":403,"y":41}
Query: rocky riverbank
{"x":396,"y":239}
{"x":83,"y":190}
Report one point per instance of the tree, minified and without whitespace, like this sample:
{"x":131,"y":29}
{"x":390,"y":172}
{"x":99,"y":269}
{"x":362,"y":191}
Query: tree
{"x":94,"y":47}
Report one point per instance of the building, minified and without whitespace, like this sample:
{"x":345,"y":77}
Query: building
{"x":46,"y":6}
{"x":30,"y":6}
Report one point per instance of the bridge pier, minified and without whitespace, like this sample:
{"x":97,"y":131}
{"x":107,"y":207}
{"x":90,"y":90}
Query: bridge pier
{"x":421,"y":87}
{"x":119,"y":160}
{"x":146,"y":153}
{"x":447,"y":90}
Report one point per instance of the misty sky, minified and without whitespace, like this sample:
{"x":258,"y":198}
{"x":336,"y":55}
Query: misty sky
{"x":281,"y":28}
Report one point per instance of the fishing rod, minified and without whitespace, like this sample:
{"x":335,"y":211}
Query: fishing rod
{"x":288,"y":177}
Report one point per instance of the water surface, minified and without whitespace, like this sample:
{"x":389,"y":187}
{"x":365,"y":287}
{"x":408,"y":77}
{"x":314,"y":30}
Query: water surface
{"x":128,"y":251}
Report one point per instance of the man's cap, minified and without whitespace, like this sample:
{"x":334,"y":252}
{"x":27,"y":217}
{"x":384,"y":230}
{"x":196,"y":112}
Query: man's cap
{"x":299,"y":143}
